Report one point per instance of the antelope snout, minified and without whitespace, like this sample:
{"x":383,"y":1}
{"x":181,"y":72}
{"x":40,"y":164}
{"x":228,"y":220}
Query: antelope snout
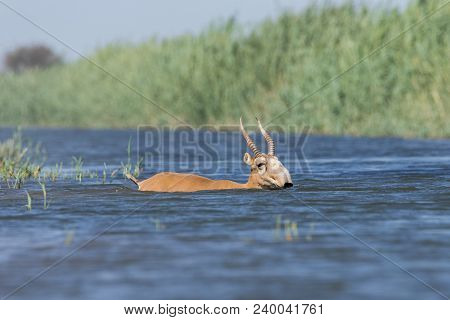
{"x":287,"y":180}
{"x":284,"y":180}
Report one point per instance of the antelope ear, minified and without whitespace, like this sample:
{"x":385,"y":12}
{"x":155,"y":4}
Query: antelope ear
{"x":248,"y":159}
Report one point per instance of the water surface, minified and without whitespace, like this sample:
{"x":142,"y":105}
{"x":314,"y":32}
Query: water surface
{"x":392,"y":194}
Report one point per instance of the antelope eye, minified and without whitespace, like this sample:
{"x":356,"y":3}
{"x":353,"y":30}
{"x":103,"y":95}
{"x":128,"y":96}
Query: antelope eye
{"x":260,"y":165}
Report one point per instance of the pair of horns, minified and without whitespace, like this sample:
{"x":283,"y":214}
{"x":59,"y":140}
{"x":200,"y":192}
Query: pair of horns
{"x":251,"y":144}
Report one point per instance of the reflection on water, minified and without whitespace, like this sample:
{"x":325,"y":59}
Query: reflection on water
{"x":394,"y":194}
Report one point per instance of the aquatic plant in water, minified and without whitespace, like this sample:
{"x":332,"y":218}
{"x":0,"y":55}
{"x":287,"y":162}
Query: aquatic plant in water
{"x":15,"y":164}
{"x":21,"y":161}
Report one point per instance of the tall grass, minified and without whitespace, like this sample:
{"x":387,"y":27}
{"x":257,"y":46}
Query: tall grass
{"x":22,"y":161}
{"x":16,"y":165}
{"x":226,"y":71}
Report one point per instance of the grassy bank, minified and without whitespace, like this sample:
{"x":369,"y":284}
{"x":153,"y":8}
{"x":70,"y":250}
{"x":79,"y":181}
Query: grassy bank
{"x":227,"y":71}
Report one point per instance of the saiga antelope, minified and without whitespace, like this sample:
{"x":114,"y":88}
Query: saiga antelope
{"x":266,"y":172}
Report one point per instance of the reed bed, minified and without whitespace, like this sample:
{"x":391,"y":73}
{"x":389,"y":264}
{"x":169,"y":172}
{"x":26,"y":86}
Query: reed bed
{"x":229,"y":70}
{"x":22,"y":161}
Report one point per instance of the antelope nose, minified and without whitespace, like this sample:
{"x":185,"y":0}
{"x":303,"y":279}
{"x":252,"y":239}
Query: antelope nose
{"x":288,"y":185}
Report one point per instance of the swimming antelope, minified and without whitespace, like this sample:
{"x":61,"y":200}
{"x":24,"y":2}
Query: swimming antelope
{"x":266,"y":172}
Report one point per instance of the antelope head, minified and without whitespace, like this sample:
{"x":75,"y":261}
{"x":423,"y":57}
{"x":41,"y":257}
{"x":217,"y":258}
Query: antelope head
{"x":266,"y":171}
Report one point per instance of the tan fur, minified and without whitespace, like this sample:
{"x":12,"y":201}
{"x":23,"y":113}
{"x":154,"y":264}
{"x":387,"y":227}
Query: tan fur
{"x":266,"y":172}
{"x":272,"y":175}
{"x":183,"y":182}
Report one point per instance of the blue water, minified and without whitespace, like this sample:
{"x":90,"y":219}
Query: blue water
{"x":369,"y":218}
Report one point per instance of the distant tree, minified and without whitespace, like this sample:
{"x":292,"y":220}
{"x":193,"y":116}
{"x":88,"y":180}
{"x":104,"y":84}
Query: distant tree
{"x":30,"y":57}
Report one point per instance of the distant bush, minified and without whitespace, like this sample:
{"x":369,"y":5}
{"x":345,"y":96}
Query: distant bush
{"x":31,"y":57}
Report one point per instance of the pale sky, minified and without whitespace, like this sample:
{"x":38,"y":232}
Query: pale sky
{"x":89,"y":24}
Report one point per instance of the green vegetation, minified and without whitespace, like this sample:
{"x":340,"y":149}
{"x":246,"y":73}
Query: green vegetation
{"x":291,"y":230}
{"x":227,"y":71}
{"x":44,"y":193}
{"x":15,"y":163}
{"x":21,"y":161}
{"x":28,"y":205}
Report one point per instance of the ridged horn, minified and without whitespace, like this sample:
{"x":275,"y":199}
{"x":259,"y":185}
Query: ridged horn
{"x":249,"y":141}
{"x":270,"y":144}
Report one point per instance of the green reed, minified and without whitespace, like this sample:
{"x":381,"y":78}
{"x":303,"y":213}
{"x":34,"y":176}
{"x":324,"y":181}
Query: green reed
{"x":44,"y":195}
{"x":15,"y":164}
{"x":29,"y":200}
{"x":129,"y":167}
{"x":22,"y":161}
{"x":288,"y":230}
{"x":228,"y":70}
